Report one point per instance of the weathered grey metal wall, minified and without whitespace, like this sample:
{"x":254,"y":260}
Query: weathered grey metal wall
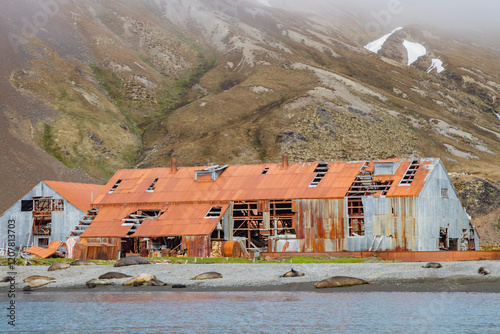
{"x":435,"y":211}
{"x":62,"y":221}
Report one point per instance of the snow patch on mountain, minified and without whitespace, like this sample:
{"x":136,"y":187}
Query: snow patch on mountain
{"x":414,"y":50}
{"x":436,"y":64}
{"x":376,"y":45}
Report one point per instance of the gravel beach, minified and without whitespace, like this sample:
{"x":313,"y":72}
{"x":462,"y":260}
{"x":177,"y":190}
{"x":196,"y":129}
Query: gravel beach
{"x":386,"y":276}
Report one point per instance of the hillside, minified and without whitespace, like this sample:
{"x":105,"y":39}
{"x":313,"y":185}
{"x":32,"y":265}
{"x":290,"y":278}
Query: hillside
{"x":92,"y":86}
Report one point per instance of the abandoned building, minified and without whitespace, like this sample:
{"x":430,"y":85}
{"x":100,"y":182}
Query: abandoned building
{"x":49,"y":212}
{"x":396,"y":204}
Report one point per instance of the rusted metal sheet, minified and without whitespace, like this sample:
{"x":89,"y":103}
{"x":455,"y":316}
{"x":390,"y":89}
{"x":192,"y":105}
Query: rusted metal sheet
{"x":181,"y":220}
{"x":43,"y":253}
{"x":95,"y":251}
{"x":196,"y":245}
{"x":78,"y":194}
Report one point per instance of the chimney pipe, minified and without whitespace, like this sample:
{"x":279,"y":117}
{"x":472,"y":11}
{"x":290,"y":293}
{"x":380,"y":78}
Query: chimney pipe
{"x":284,"y":162}
{"x":173,"y":165}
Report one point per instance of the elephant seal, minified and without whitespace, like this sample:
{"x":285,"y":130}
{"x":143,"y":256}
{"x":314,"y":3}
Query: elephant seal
{"x":34,"y":277}
{"x":97,"y":281}
{"x":57,"y":266}
{"x":156,"y":282}
{"x":130,"y":261}
{"x":338,"y":281}
{"x":432,"y":265}
{"x":292,"y":273}
{"x":83,"y":263}
{"x":6,"y":279}
{"x":36,"y":283}
{"x":113,"y":274}
{"x":483,"y":271}
{"x":178,"y":286}
{"x":141,"y":278}
{"x":208,"y":275}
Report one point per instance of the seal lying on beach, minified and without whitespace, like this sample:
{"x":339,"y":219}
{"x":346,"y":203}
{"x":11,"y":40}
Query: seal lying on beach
{"x":208,"y":275}
{"x":36,"y":283}
{"x":130,"y":261}
{"x":483,"y":271}
{"x":141,"y":278}
{"x":97,"y":281}
{"x":113,"y":274}
{"x":82,"y":263}
{"x":178,"y":286}
{"x":338,"y":281}
{"x":292,"y":273}
{"x":34,"y":277}
{"x":57,"y":266}
{"x":6,"y":279}
{"x":432,"y":265}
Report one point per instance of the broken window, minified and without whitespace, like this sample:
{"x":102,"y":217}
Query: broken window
{"x":57,"y":205}
{"x":320,"y":171}
{"x":356,"y":217}
{"x":114,"y":187}
{"x":356,"y":227}
{"x":214,"y":212}
{"x":151,"y":188}
{"x":27,"y":205}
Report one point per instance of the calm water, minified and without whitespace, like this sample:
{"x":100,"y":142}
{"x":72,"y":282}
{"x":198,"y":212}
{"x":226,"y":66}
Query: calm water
{"x":254,"y":312}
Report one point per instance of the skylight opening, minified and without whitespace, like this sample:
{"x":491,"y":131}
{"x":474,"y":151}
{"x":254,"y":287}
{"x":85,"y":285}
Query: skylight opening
{"x":151,"y":188}
{"x":320,"y":171}
{"x":214,"y":212}
{"x":410,"y":174}
{"x":265,"y":171}
{"x":114,"y":187}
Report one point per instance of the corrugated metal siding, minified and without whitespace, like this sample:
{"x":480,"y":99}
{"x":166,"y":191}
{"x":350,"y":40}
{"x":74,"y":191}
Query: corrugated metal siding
{"x":63,"y":222}
{"x":320,"y":224}
{"x":197,"y":245}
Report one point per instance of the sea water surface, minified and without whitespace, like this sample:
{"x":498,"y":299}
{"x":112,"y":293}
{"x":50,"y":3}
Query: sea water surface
{"x":254,"y":312}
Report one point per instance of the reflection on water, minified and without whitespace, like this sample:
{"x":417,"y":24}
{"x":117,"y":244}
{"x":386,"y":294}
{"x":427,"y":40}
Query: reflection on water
{"x":255,"y":312}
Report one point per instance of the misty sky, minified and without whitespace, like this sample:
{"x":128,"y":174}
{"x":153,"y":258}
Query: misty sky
{"x":463,"y":15}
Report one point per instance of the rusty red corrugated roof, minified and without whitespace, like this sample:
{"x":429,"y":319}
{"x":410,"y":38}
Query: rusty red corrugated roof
{"x":78,"y":194}
{"x":181,"y":220}
{"x":246,"y":182}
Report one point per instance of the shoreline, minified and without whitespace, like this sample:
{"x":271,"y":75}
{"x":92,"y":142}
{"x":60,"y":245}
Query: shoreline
{"x":386,"y":276}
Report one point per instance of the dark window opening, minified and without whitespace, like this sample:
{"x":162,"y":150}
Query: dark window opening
{"x":265,"y":171}
{"x":151,"y":188}
{"x":114,"y":187}
{"x":27,"y":205}
{"x":444,"y":192}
